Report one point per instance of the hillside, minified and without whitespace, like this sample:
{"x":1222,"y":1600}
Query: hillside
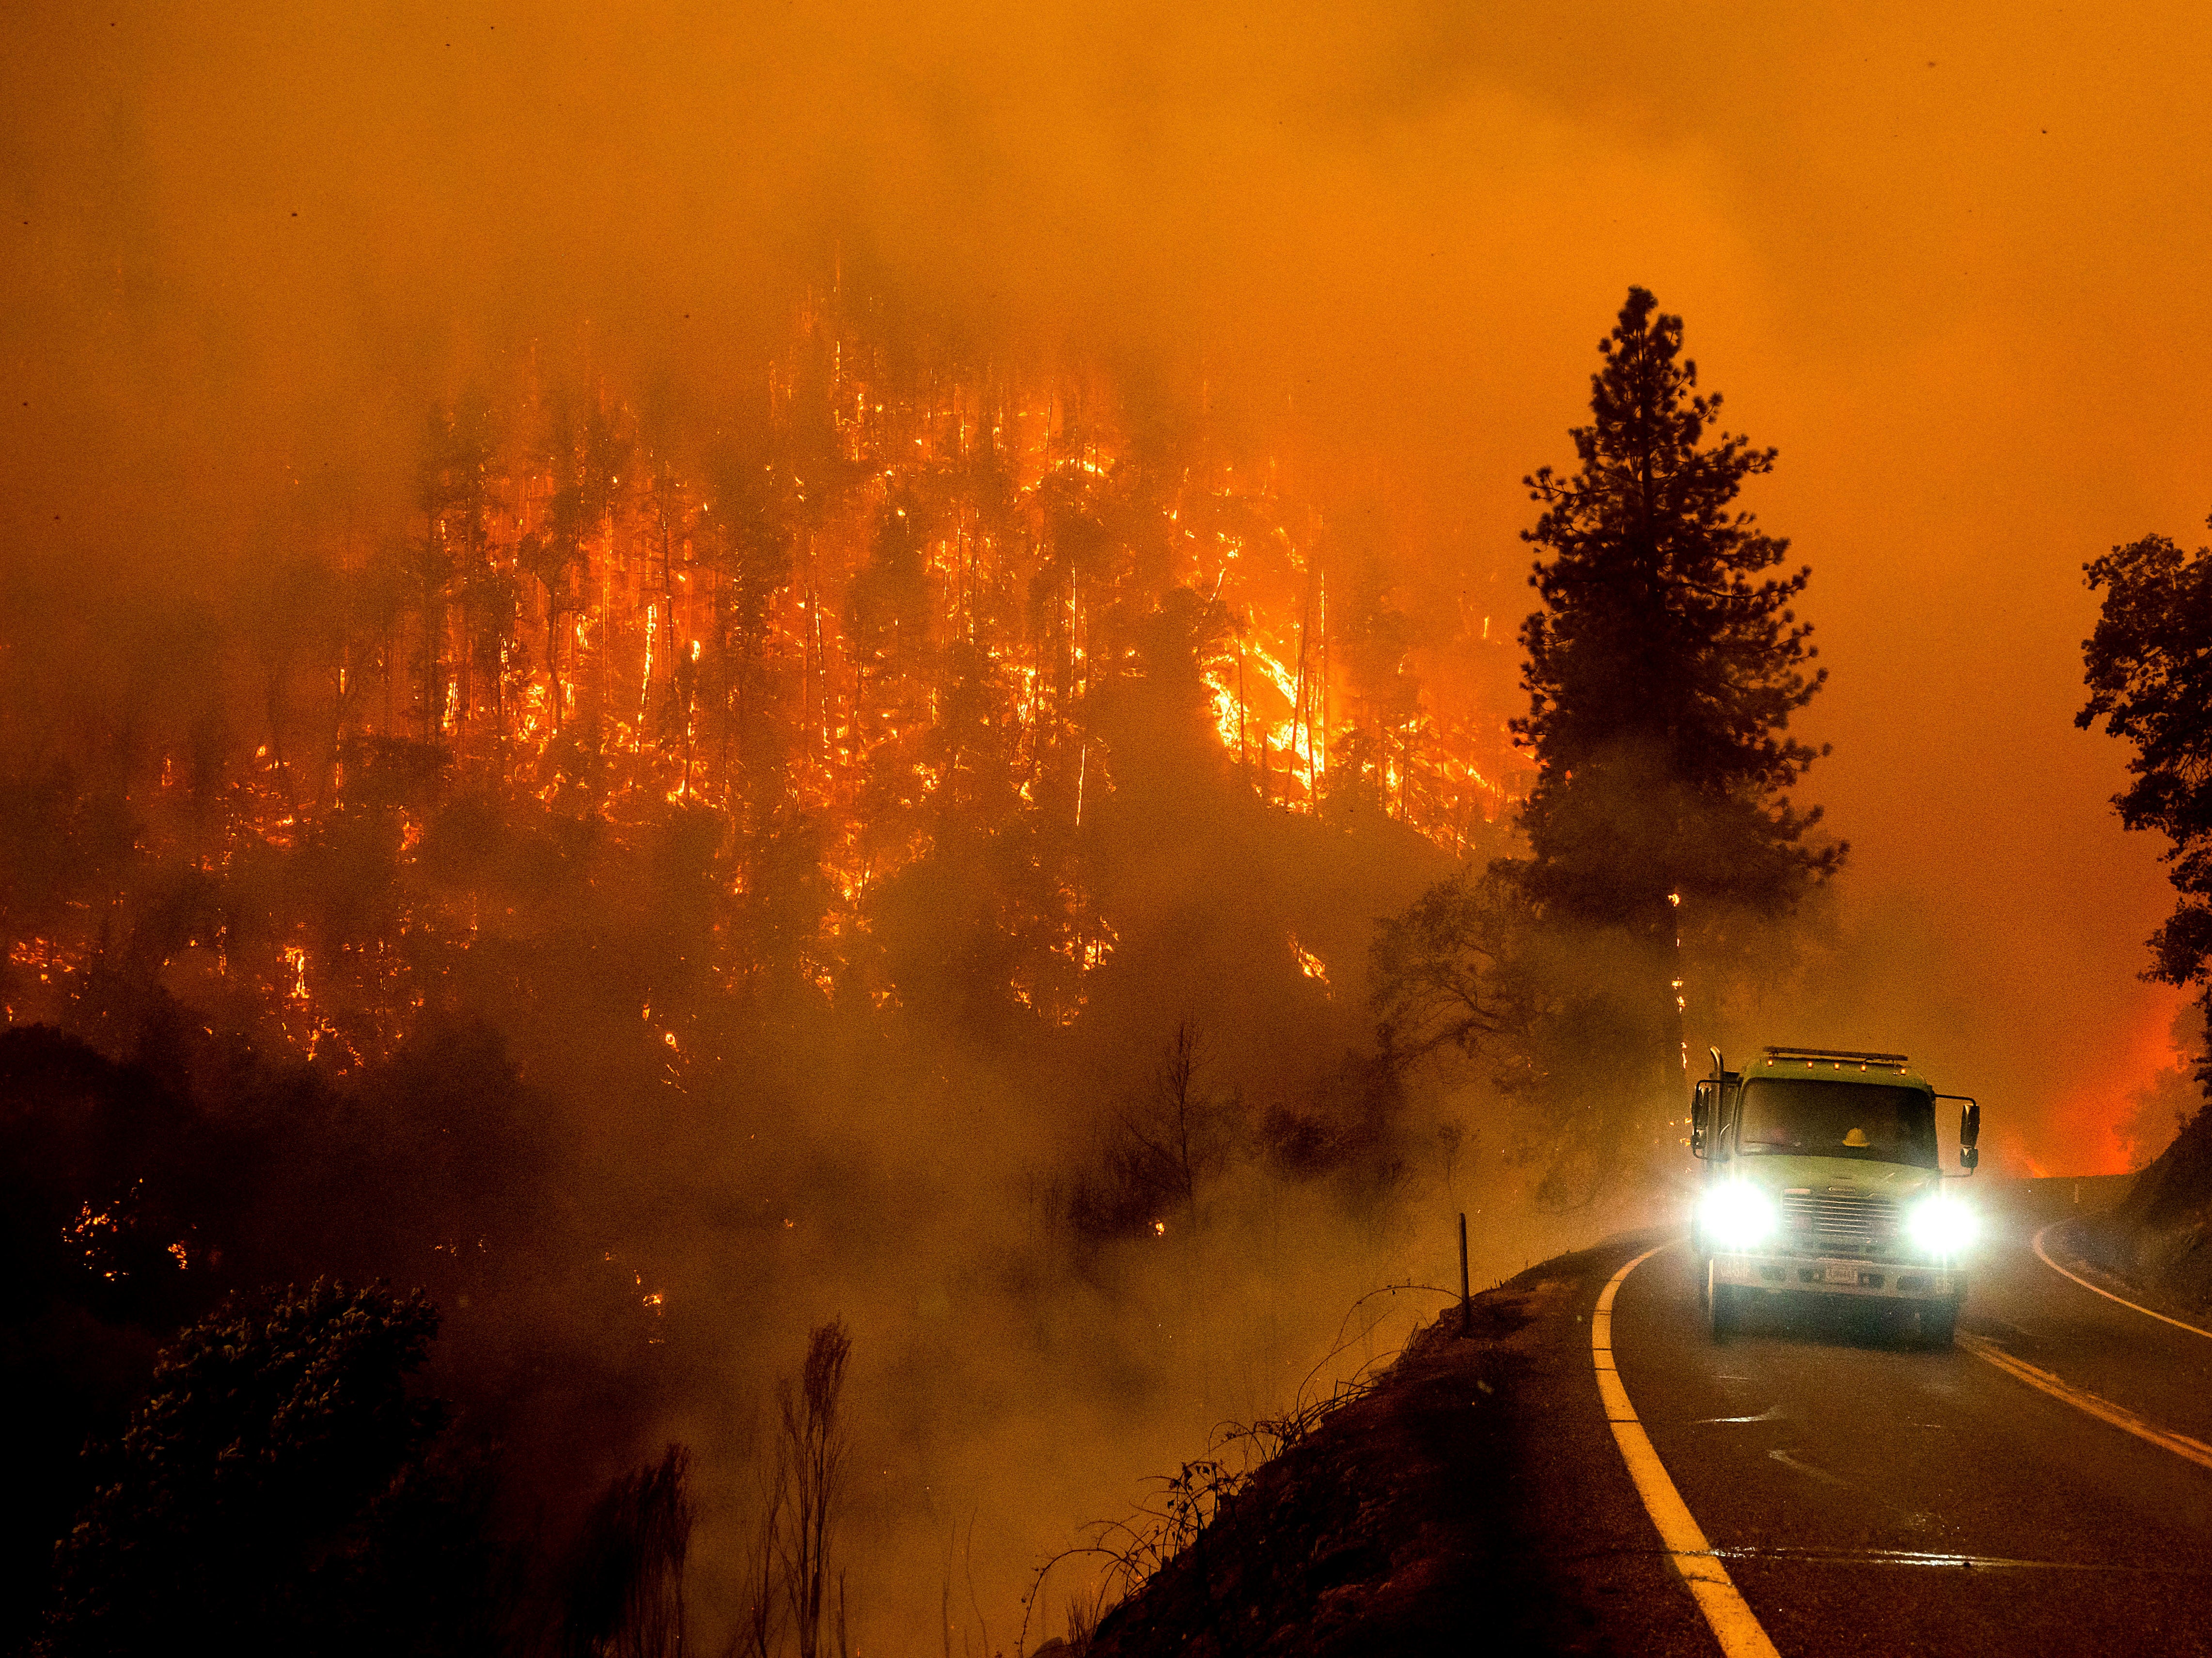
{"x":1475,"y":1488}
{"x":2158,"y":1236}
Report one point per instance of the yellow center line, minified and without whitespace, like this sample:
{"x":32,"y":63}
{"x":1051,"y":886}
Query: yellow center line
{"x":2180,"y":1444}
{"x":1730,"y":1617}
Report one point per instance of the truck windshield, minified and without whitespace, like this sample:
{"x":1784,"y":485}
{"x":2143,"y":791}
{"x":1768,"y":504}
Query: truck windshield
{"x":1865,"y":1120}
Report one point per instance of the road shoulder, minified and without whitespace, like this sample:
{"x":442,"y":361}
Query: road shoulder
{"x":1475,"y":1495}
{"x":2074,"y":1243}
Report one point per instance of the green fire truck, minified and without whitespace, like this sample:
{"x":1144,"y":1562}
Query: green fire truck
{"x":1823,"y":1178}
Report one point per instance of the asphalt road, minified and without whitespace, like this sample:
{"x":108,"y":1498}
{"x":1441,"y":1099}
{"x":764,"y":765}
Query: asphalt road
{"x":1869,"y":1497}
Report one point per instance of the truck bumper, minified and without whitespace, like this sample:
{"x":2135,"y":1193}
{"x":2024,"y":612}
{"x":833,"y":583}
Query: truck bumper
{"x":1906,"y":1280}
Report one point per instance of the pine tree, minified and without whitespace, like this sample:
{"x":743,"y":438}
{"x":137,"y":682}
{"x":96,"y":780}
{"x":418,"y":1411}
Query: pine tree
{"x":1661,"y":673}
{"x":1666,"y":662}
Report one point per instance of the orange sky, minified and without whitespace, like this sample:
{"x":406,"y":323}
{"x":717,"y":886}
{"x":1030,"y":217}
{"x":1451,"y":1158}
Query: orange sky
{"x":1955,"y":268}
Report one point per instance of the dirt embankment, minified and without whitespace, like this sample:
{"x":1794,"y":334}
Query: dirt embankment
{"x":2159,"y":1237}
{"x":1473,"y":1497}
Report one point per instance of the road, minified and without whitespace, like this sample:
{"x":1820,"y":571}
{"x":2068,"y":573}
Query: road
{"x":1867,"y":1496}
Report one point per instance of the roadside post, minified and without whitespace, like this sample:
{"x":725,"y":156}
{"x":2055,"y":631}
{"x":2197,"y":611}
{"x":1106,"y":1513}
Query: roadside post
{"x":1466,"y":1303}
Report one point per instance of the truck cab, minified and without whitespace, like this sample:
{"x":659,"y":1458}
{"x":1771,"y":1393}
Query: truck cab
{"x":1823,"y":1178}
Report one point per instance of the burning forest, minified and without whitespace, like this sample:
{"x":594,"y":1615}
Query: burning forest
{"x":883,"y":619}
{"x":776,"y":789}
{"x":602,"y":890}
{"x":914,"y":855}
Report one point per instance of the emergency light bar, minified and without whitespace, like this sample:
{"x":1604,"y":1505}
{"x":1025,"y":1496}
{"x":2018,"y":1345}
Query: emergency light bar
{"x":1837,"y":1056}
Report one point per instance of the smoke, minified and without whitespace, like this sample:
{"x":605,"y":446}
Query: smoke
{"x":1935,"y":262}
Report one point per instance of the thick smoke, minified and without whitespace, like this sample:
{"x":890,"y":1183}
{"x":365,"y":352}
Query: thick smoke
{"x":1369,"y":253}
{"x":249,"y":254}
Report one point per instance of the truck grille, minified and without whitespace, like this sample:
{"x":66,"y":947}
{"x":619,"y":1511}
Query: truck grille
{"x":1840,"y":1217}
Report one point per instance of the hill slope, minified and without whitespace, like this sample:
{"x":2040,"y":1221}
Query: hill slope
{"x":2159,"y":1237}
{"x":1473,"y":1494}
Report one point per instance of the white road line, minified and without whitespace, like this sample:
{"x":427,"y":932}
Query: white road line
{"x":1730,"y":1616}
{"x":2044,"y":1256}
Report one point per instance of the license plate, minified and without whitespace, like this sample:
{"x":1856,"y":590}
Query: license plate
{"x":1843,"y":1272}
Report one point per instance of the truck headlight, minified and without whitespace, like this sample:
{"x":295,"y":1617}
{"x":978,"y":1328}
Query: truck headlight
{"x":1942,"y":1225}
{"x":1738,"y":1216}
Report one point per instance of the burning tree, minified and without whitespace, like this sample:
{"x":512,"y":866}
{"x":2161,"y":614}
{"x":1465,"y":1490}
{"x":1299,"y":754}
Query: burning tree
{"x":868,"y":618}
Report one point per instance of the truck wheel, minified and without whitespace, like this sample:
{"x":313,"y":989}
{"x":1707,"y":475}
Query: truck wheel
{"x":1720,"y":1305}
{"x":1939,"y":1322}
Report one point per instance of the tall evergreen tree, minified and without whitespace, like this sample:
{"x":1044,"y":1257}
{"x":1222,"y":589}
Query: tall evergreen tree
{"x":1666,"y":662}
{"x":1662,"y":671}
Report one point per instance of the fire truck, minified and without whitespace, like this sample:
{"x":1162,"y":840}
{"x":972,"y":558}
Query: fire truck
{"x":1823,"y":1178}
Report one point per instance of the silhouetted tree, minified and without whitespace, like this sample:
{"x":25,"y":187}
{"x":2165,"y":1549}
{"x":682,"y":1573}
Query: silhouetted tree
{"x":750,"y":516}
{"x":1164,"y":1141}
{"x":666,"y":509}
{"x":760,"y":1622}
{"x":276,"y":1492}
{"x":584,"y":455}
{"x":626,"y":1578}
{"x":812,"y":1464}
{"x":491,"y":599}
{"x":2150,"y":682}
{"x":548,"y":557}
{"x":1664,"y":665}
{"x":894,"y":664}
{"x":1373,"y":638}
{"x":1156,"y":715}
{"x":291,"y":610}
{"x":378,"y":613}
{"x":1661,"y":673}
{"x":453,"y":492}
{"x":1445,"y":970}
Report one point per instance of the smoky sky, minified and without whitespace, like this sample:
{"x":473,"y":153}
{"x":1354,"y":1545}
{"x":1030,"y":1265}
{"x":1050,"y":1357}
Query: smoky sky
{"x":1953,"y":265}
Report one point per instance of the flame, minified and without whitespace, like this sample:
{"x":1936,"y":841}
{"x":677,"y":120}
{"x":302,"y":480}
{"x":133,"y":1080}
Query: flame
{"x":596,"y":697}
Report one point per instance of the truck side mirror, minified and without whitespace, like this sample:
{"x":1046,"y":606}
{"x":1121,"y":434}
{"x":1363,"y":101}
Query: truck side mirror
{"x":1970,"y":1130}
{"x":1701,"y":1116}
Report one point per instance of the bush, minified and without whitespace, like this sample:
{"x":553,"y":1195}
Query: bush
{"x":278,"y":1490}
